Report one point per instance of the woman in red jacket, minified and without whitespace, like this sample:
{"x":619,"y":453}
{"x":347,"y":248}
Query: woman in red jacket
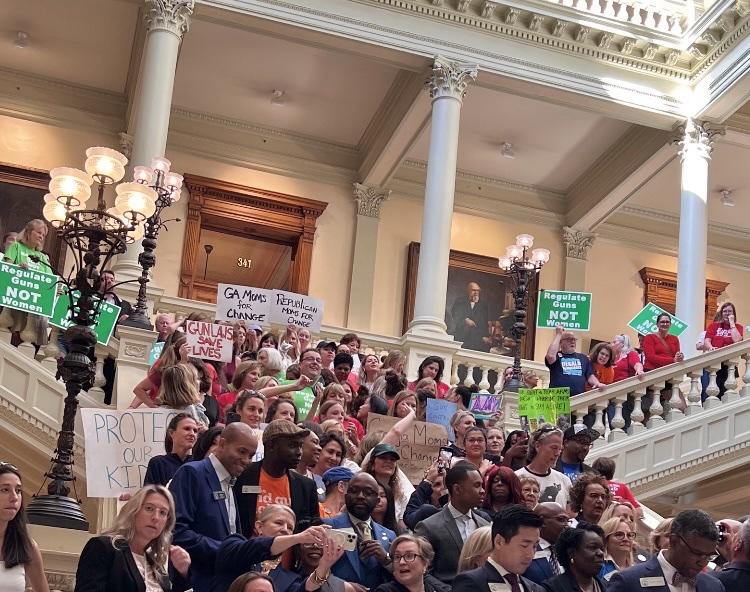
{"x":721,"y":333}
{"x":661,"y":348}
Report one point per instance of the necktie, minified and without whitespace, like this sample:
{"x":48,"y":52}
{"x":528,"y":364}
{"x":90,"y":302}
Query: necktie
{"x":678,"y":579}
{"x":554,"y":564}
{"x":512,"y":579}
{"x":231,"y":510}
{"x":366,"y":531}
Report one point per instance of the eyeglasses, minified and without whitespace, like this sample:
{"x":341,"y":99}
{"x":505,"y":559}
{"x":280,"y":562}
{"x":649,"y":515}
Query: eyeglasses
{"x":311,"y":360}
{"x":708,"y":556}
{"x":408,"y":557}
{"x":624,"y":535}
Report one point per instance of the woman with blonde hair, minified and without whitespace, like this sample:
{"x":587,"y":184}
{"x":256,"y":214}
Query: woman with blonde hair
{"x":141,"y":536}
{"x":476,"y":549}
{"x":404,"y":402}
{"x":659,"y":537}
{"x":179,"y":391}
{"x":461,"y":421}
{"x":619,"y":538}
{"x":369,"y":371}
{"x":622,"y":510}
{"x":175,"y":352}
{"x":395,"y":361}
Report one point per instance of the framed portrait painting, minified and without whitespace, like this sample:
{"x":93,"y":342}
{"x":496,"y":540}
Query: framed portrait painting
{"x":479,"y":303}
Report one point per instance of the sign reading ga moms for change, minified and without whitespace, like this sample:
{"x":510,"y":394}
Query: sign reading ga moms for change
{"x":645,"y":321}
{"x":572,"y":310}
{"x":27,"y":290}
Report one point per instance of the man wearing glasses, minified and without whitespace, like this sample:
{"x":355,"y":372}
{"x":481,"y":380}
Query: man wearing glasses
{"x":679,"y":568}
{"x":310,"y":364}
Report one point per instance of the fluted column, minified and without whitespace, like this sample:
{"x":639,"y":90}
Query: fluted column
{"x":447,"y":87}
{"x":695,"y":142}
{"x":577,"y":244}
{"x":166,"y":22}
{"x":369,"y":200}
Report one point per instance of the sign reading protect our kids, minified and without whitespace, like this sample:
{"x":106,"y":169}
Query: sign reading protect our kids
{"x":572,"y":310}
{"x":645,"y":321}
{"x":27,"y":290}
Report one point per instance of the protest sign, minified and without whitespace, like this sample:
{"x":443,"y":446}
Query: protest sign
{"x":156,"y":350}
{"x":645,"y":321}
{"x":243,"y":303}
{"x":27,"y":290}
{"x":288,"y":308}
{"x":440,"y":411}
{"x":302,"y":400}
{"x":106,"y":319}
{"x":572,"y":310}
{"x":209,"y":341}
{"x":118,"y":446}
{"x":419,"y":446}
{"x":485,"y":405}
{"x":540,"y":406}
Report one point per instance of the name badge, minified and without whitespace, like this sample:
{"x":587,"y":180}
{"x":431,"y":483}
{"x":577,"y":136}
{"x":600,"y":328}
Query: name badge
{"x":499,"y":587}
{"x":219,"y":495}
{"x":653,"y":582}
{"x":251,"y":489}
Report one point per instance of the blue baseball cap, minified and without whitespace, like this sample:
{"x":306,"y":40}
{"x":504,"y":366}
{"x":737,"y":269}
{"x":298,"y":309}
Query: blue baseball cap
{"x":336,"y":474}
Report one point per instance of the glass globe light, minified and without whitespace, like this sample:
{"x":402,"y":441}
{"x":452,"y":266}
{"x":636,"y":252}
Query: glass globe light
{"x":135,"y":200}
{"x":514,"y":252}
{"x":173,"y":181}
{"x":540,"y":256}
{"x":175,"y":195}
{"x":143,"y":174}
{"x":54,"y":212}
{"x":159,"y":163}
{"x":136,"y":234}
{"x":70,"y":182}
{"x":106,"y":164}
{"x":504,"y":263}
{"x":525,"y":241}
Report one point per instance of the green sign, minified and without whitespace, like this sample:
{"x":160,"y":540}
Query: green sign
{"x":572,"y":310}
{"x":645,"y":321}
{"x":156,"y":350}
{"x":27,"y":290}
{"x":538,"y":406}
{"x":105,"y":321}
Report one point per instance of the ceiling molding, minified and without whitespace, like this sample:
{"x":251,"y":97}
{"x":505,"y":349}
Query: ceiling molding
{"x":735,"y":232}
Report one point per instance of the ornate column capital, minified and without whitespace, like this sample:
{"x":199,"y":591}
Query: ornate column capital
{"x":450,"y":79}
{"x":577,"y":242}
{"x":126,"y":143}
{"x":696,"y":137}
{"x":369,"y":199}
{"x":169,"y":15}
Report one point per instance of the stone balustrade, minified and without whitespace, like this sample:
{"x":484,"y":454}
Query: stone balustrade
{"x":669,"y":17}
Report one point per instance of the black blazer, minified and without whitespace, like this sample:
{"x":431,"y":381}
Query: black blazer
{"x":431,"y":584}
{"x":104,"y":568}
{"x":479,"y":580}
{"x":302,"y":490}
{"x":566,"y":583}
{"x":735,"y":576}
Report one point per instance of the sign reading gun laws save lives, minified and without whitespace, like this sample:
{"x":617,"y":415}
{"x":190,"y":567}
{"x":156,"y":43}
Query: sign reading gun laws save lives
{"x":572,"y":310}
{"x":209,"y":341}
{"x":256,"y":305}
{"x":27,"y":290}
{"x":118,"y":446}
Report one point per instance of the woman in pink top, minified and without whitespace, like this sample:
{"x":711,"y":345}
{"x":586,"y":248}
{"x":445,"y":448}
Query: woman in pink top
{"x":721,"y":333}
{"x":431,"y":367}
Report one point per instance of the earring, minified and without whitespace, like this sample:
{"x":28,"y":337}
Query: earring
{"x":572,"y":561}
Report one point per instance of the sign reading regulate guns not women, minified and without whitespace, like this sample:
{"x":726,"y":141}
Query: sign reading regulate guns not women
{"x":572,"y":310}
{"x":27,"y":290}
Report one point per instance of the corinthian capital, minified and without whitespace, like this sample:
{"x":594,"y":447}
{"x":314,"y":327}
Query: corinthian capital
{"x":169,"y":15}
{"x":450,"y":79}
{"x":369,"y":199}
{"x":696,"y":138}
{"x":577,"y":242}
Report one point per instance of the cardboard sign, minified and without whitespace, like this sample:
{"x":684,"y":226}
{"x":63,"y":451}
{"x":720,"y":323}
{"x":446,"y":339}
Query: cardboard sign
{"x":572,"y":310}
{"x":485,"y":405}
{"x":243,"y":303}
{"x":118,"y":446}
{"x":645,"y":321}
{"x":288,"y":308}
{"x":538,"y":406}
{"x":440,"y":411}
{"x":106,"y":320}
{"x":419,"y":447}
{"x":209,"y":341}
{"x":27,"y":290}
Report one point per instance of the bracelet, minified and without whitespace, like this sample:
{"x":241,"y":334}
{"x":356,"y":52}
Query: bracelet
{"x":317,"y":579}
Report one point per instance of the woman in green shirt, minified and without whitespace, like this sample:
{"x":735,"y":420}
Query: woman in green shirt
{"x":27,"y":252}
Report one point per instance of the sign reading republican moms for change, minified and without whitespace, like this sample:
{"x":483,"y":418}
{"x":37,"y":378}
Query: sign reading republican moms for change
{"x":209,"y":341}
{"x":118,"y":446}
{"x":645,"y":321}
{"x":27,"y":290}
{"x":243,"y":303}
{"x":106,"y":319}
{"x":572,"y":310}
{"x":288,"y":308}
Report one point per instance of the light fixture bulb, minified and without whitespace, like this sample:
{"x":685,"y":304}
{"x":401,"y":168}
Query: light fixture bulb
{"x":278,"y":97}
{"x":160,"y":163}
{"x":726,"y":198}
{"x":143,"y":174}
{"x":525,"y":241}
{"x":71,"y":183}
{"x":540,"y":256}
{"x":173,"y":180}
{"x":513,"y":252}
{"x":506,"y":150}
{"x":22,"y":39}
{"x":504,"y":263}
{"x":105,"y":164}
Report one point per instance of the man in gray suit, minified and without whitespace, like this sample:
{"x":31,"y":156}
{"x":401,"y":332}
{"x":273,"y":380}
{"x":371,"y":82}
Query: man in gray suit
{"x":448,"y":530}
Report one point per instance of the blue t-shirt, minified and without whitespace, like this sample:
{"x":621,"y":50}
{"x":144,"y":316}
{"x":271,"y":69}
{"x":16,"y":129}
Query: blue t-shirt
{"x":571,"y":471}
{"x":570,"y":370}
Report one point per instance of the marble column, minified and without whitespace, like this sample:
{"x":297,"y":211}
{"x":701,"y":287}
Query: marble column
{"x":577,"y":244}
{"x":369,"y":200}
{"x":695,"y":140}
{"x":166,"y":22}
{"x":447,"y":87}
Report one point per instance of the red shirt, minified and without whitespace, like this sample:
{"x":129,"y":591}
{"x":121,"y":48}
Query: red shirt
{"x":618,"y":489}
{"x":625,"y":367}
{"x":720,"y":334}
{"x":659,"y":352}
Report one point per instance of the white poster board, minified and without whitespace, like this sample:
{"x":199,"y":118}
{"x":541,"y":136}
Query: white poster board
{"x":288,"y":308}
{"x":243,"y":303}
{"x":209,"y":341}
{"x":118,"y":446}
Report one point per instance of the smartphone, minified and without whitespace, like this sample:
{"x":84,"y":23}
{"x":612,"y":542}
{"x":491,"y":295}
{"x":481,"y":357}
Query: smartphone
{"x":444,"y":459}
{"x":524,"y":421}
{"x":347,"y":540}
{"x":232,"y":417}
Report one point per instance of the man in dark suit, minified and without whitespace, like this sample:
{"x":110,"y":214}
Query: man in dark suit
{"x":471,"y":320}
{"x":272,"y":480}
{"x":515,"y":534}
{"x":205,"y":505}
{"x":735,"y":575}
{"x":448,"y":529}
{"x":692,"y":544}
{"x":368,"y":564}
{"x":545,"y":564}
